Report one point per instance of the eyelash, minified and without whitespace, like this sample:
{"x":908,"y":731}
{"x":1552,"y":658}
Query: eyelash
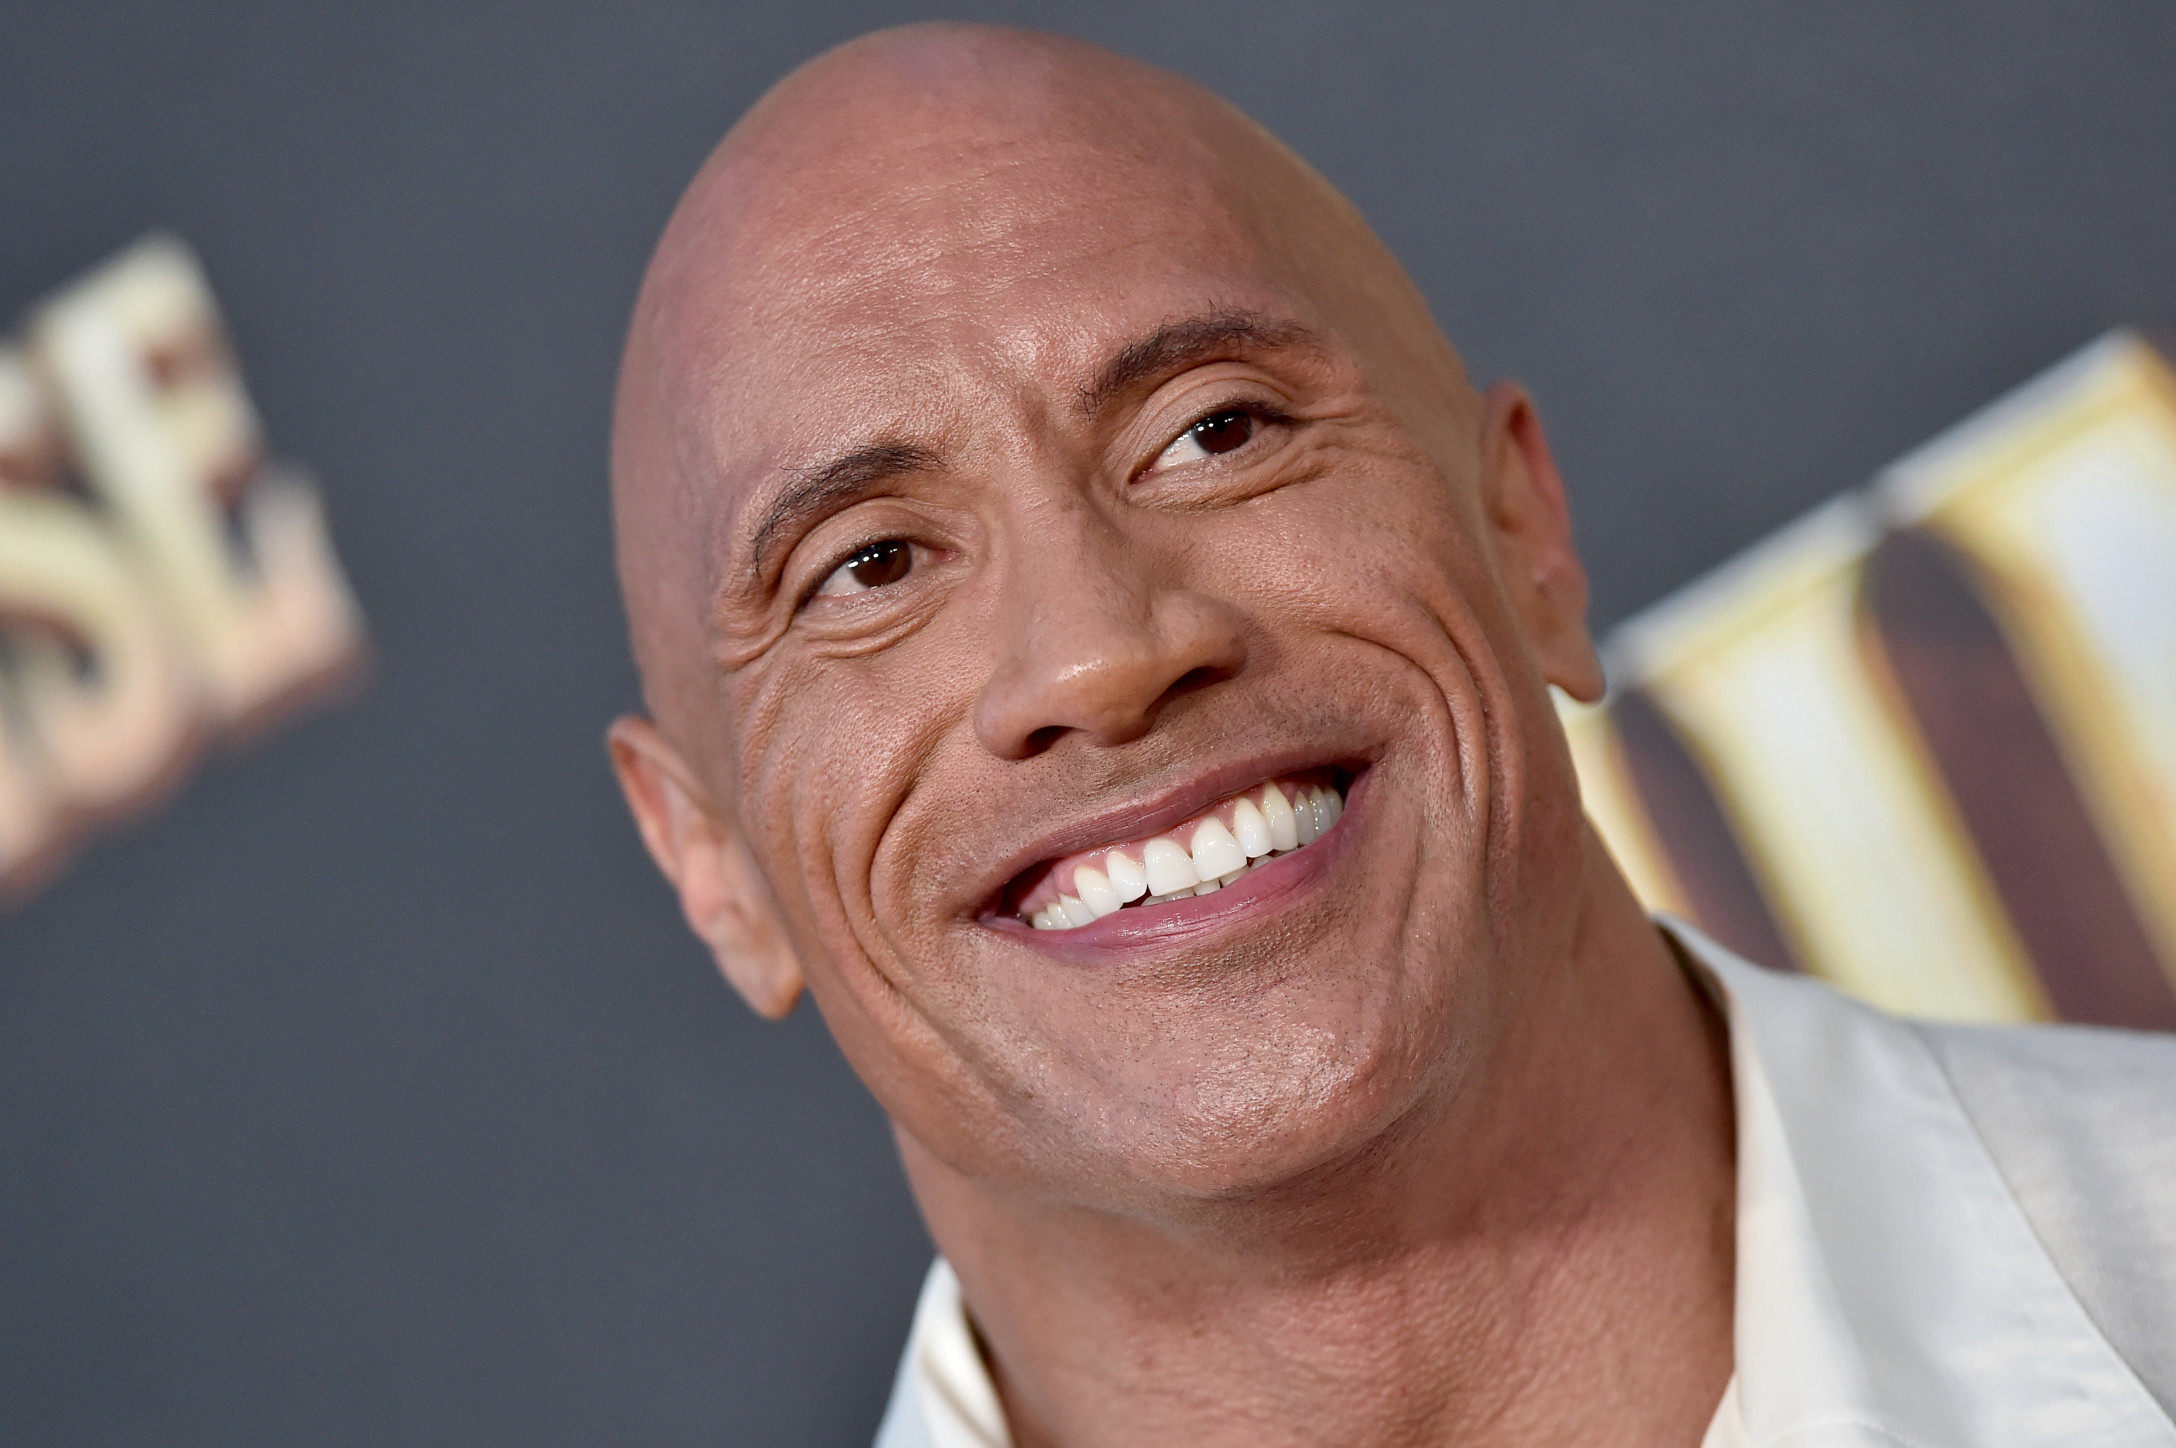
{"x":1261,"y":412}
{"x":840,"y":559}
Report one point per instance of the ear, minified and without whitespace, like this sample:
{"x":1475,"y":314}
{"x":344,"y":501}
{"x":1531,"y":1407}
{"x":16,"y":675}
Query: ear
{"x":724,"y":896}
{"x":1531,"y":531}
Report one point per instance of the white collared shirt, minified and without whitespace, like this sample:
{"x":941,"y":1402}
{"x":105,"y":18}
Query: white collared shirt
{"x":1890,"y":1290}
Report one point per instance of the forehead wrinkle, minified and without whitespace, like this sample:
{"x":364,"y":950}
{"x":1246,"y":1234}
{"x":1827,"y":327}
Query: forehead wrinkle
{"x":963,"y":208}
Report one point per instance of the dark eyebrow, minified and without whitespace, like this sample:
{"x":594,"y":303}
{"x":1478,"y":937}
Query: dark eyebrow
{"x":809,"y":493}
{"x":1177,"y":345}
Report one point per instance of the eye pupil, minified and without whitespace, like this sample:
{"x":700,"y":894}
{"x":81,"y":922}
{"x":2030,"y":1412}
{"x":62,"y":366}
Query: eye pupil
{"x":880,"y":563}
{"x":1223,"y":431}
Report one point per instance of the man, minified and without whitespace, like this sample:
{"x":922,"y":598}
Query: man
{"x":1098,"y":643}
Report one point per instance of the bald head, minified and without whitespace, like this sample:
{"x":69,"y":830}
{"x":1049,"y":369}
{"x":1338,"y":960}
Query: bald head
{"x":1019,"y":453}
{"x":924,"y":180}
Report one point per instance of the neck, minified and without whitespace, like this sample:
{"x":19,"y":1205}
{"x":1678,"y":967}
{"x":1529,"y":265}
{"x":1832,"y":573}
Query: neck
{"x":1549,"y":1261}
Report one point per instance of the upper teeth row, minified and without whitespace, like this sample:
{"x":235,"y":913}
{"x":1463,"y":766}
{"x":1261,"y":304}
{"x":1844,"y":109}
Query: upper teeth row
{"x":1269,"y":821}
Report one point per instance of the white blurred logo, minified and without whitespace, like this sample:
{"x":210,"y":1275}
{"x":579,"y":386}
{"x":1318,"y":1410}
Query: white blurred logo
{"x":162,"y":582}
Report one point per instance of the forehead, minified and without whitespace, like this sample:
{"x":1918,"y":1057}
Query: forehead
{"x":947,"y":278}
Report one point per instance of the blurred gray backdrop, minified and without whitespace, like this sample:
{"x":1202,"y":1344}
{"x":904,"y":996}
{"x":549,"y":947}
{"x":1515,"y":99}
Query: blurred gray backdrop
{"x":372,"y":1092}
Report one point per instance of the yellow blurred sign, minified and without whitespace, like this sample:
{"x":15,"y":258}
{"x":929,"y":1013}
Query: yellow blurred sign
{"x":161,"y":580}
{"x":1923,"y":742}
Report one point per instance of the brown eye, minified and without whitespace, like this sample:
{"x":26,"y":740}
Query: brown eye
{"x":879,"y":564}
{"x":1218,"y":433}
{"x":873,"y":567}
{"x":1222,"y":432}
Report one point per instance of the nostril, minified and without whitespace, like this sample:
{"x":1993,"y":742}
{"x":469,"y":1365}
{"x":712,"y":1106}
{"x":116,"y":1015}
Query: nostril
{"x":1041,"y":739}
{"x":1194,"y":679}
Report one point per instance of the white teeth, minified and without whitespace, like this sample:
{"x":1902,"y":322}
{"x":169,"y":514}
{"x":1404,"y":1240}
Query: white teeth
{"x":1169,"y":868}
{"x":1215,"y":851}
{"x":1277,"y":814}
{"x":1094,"y":889}
{"x":1303,"y":818}
{"x":1281,"y":820}
{"x":1251,"y":830}
{"x":1127,"y":876}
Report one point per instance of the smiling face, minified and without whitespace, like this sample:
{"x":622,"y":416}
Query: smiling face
{"x":1086,"y":590}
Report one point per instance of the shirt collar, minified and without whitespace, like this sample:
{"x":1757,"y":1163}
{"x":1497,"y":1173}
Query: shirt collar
{"x":1889,"y":1288}
{"x":943,"y":1396}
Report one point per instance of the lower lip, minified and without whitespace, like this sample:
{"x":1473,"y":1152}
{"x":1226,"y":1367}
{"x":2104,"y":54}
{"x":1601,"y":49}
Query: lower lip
{"x":1271,"y":887}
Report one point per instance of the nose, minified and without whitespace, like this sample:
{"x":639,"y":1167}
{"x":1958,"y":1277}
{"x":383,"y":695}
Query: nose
{"x":1095,"y":637}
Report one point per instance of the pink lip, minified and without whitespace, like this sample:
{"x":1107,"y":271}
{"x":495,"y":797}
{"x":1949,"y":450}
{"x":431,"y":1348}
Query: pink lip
{"x":1177,"y":921}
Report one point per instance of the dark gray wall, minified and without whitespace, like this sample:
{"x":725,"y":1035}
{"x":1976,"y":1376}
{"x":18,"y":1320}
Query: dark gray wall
{"x":372,"y":1093}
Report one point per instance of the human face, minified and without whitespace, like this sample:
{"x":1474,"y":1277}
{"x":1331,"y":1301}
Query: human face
{"x":1064,"y":513}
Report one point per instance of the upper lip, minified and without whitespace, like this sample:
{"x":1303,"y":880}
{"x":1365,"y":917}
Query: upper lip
{"x":1154,"y":812}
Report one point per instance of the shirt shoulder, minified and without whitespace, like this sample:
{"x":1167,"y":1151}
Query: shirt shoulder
{"x":2081,"y":1123}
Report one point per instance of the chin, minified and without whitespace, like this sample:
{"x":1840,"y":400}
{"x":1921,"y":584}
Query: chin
{"x":1268,"y":1114}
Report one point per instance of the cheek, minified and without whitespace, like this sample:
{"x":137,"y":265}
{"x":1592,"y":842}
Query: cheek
{"x":1387,"y":578}
{"x":817,"y":745}
{"x":1375,"y":531}
{"x":832,"y":749}
{"x":1510,"y":800}
{"x":1402,"y":597}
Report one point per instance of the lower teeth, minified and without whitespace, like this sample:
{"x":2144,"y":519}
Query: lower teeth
{"x":1210,"y":887}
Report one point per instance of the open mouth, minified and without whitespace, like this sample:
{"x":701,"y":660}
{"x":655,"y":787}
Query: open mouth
{"x":1203,"y":854}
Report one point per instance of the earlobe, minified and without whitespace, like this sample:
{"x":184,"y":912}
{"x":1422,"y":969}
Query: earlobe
{"x":747,"y":939}
{"x":1530,"y":521}
{"x":723,"y":894}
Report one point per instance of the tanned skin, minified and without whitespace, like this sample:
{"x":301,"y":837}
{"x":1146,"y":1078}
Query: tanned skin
{"x":1429,"y":1143}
